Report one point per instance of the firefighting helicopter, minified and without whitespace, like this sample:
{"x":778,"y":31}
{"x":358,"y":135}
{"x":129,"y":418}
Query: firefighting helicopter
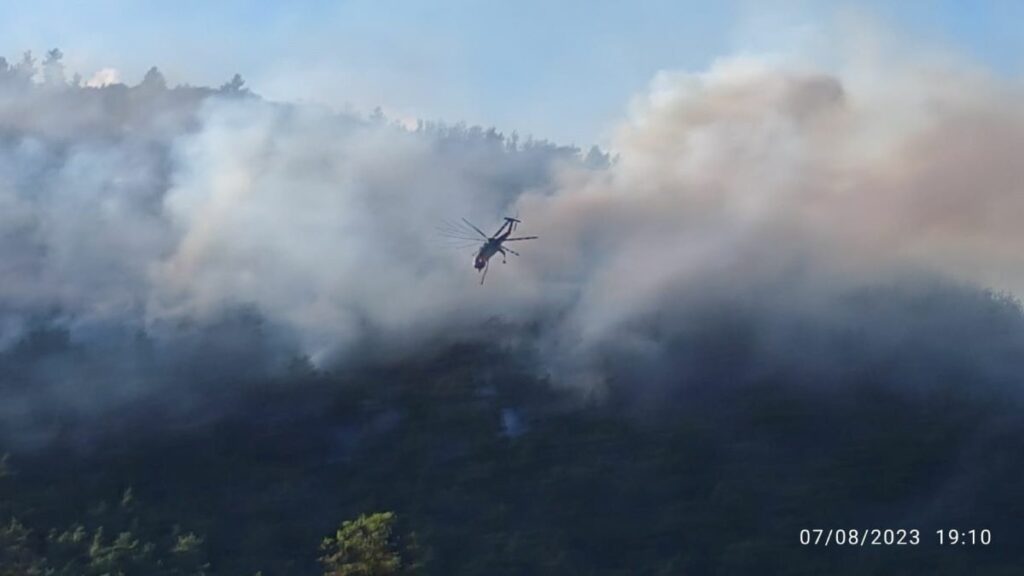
{"x":492,"y":245}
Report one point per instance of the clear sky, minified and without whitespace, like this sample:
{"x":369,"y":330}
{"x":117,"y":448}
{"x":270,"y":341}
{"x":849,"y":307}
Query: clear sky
{"x":565,"y":70}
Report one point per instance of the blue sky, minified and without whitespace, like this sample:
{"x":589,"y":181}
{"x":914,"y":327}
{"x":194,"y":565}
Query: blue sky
{"x":563,"y":70}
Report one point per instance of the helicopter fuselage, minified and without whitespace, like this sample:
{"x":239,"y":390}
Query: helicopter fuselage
{"x":493,"y":244}
{"x":491,"y":247}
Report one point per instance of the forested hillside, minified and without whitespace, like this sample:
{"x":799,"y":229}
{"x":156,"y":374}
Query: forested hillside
{"x":495,"y":471}
{"x":232,"y":342}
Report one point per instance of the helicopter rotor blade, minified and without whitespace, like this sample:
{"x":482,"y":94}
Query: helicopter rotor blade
{"x":450,"y":228}
{"x":521,"y":238}
{"x":455,"y":231}
{"x":457,"y":236}
{"x":456,"y":227}
{"x":452,"y":231}
{"x":511,"y":251}
{"x":479,"y":231}
{"x":458,"y":245}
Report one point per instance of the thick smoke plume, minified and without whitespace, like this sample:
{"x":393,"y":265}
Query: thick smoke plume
{"x":159,"y":241}
{"x":757,"y":186}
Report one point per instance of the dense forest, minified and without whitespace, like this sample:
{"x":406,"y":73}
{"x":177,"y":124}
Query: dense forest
{"x":491,"y":470}
{"x":219,"y":443}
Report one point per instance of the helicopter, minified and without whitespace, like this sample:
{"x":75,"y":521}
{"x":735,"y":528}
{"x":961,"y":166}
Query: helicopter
{"x":492,"y":245}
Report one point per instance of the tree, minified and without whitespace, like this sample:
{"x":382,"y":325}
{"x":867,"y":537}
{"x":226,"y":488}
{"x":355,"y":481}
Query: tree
{"x":25,"y":70}
{"x":7,"y":72}
{"x":154,"y":80}
{"x":369,"y":546}
{"x":16,"y":555}
{"x":53,"y":68}
{"x":234,"y":86}
{"x":596,"y":158}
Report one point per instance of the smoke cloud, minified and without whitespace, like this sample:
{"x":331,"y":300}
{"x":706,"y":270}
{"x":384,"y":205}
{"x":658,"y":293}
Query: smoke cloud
{"x":758,"y":217}
{"x":755,"y":185}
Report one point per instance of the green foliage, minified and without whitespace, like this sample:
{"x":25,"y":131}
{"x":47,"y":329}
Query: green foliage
{"x":368,"y":546}
{"x":113,"y":558}
{"x":16,"y":555}
{"x":77,"y":551}
{"x":139,"y":547}
{"x":187,"y":543}
{"x":701,"y":488}
{"x":128,"y":498}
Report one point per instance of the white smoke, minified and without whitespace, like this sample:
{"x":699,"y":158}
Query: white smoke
{"x":752,"y":171}
{"x":104,"y":77}
{"x":752,"y":181}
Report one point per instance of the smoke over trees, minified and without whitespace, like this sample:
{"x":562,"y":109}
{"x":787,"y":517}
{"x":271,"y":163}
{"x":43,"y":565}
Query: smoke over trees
{"x":139,"y":218}
{"x":107,"y":213}
{"x":770,"y":265}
